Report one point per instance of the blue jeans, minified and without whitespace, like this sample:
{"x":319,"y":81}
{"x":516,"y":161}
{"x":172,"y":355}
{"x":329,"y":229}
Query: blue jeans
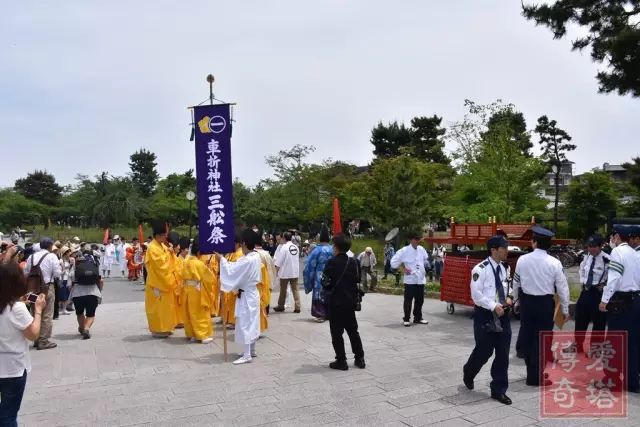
{"x":11,"y":392}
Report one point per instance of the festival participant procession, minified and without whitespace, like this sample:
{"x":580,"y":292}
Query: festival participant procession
{"x":363,"y":238}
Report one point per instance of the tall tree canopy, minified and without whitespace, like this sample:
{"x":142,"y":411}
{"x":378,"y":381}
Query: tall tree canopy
{"x":514,"y":121}
{"x":613,"y":34}
{"x":143,"y":172}
{"x":40,"y":186}
{"x":589,"y":200}
{"x":423,"y":140}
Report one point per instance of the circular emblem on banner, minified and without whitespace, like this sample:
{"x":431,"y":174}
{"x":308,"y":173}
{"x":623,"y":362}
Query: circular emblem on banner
{"x":217,"y":124}
{"x":293,"y":250}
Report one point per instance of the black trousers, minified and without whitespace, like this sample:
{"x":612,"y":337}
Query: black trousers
{"x":486,"y":344}
{"x":340,"y":320}
{"x":411,"y":293}
{"x":536,"y":316}
{"x":629,"y":321}
{"x":586,"y":312}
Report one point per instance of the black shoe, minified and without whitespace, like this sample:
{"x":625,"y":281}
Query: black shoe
{"x":340,"y":365}
{"x":468,"y":382}
{"x":296,"y":311}
{"x":503,"y":398}
{"x":520,"y":354}
{"x":359,"y":363}
{"x":85,"y":335}
{"x":278,"y":309}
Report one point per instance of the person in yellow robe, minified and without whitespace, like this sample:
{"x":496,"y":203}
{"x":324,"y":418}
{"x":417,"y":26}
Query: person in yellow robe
{"x":197,"y":298}
{"x":264,"y":287}
{"x":229,"y":298}
{"x":176,"y":267}
{"x":159,"y":294}
{"x":214,"y":267}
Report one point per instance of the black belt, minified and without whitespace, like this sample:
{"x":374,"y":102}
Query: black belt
{"x":537,"y":296}
{"x":598,"y":287}
{"x":240,"y":291}
{"x":627,"y":292}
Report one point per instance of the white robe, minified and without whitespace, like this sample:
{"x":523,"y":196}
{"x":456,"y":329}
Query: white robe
{"x":244,"y":274}
{"x":109,"y":256}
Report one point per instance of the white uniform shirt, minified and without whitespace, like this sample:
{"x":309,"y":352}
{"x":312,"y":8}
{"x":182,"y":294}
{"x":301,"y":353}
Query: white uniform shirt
{"x":538,"y":273}
{"x":624,"y":272}
{"x":288,"y":261}
{"x":600,"y":268}
{"x":483,"y":284}
{"x":439,"y":253}
{"x":50,"y":266}
{"x":413,"y":259}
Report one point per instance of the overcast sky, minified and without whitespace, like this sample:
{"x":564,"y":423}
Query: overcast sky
{"x":83,"y":84}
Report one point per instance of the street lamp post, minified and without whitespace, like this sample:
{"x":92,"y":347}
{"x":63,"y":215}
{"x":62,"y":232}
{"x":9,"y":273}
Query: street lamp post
{"x":556,"y":174}
{"x":190,"y":197}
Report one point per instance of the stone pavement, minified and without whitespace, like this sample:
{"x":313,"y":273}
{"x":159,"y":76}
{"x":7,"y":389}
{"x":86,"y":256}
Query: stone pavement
{"x":121,"y":376}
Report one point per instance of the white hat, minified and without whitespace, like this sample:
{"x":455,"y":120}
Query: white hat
{"x":116,"y":237}
{"x":368,"y":249}
{"x":76,"y":239}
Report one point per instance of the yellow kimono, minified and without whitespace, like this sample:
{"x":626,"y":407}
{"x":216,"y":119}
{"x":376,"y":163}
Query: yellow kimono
{"x":264,"y":288}
{"x":229,"y":298}
{"x":212,"y":264}
{"x":176,"y":265}
{"x":197,"y":299}
{"x":159,"y":296}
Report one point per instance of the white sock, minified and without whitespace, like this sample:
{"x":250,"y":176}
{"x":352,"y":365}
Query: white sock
{"x":247,"y":351}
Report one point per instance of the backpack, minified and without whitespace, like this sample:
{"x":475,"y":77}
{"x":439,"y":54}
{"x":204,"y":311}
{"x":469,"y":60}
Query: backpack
{"x":35,"y":279}
{"x":87,"y":271}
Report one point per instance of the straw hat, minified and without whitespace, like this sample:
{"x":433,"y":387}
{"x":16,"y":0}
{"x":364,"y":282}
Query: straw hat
{"x":64,"y":250}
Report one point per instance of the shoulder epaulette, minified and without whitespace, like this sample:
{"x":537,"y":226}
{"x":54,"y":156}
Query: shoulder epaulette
{"x":484,"y":264}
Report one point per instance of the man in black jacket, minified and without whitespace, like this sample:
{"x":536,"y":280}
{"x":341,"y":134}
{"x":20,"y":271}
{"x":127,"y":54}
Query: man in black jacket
{"x":342,"y":277}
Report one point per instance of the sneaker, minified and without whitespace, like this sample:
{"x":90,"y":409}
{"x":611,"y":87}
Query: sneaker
{"x":359,"y":363}
{"x":297,"y":310}
{"x":421,"y":322}
{"x":253,"y":354}
{"x":319,"y":320}
{"x":278,"y":309}
{"x":340,"y":365}
{"x":46,"y":345}
{"x":86,"y":335}
{"x":406,"y":323}
{"x":241,"y":361}
{"x":207,"y":340}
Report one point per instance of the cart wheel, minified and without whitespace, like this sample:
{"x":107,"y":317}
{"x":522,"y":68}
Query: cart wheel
{"x":451,"y":308}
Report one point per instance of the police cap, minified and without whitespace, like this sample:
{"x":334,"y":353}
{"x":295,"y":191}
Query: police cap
{"x":595,"y":240}
{"x":622,"y":230}
{"x":497,"y":242}
{"x":542,"y":232}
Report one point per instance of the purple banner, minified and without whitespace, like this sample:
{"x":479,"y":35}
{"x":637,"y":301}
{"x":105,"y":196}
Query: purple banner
{"x":214,"y":179}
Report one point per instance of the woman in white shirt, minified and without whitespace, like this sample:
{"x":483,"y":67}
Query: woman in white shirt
{"x":16,"y":327}
{"x":67,"y":264}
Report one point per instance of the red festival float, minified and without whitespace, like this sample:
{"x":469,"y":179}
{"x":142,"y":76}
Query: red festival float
{"x":456,"y":276}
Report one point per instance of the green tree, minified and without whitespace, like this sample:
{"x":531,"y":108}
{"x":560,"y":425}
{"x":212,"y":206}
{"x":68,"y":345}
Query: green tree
{"x":555,"y":146}
{"x":169,"y":201}
{"x":515,"y":122}
{"x":496,"y":176}
{"x":589,"y":199}
{"x":143,"y":172}
{"x":423,"y":140}
{"x":633,"y":171}
{"x":405,"y":192}
{"x":17,"y":210}
{"x":117,"y":202}
{"x":613,"y":34}
{"x":632,"y":188}
{"x":40,"y":186}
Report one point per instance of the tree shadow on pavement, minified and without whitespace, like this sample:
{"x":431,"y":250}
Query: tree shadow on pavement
{"x":141,"y":338}
{"x":67,"y":337}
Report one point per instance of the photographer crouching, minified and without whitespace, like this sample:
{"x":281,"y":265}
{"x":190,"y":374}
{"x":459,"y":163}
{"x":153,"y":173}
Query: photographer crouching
{"x":491,"y":324}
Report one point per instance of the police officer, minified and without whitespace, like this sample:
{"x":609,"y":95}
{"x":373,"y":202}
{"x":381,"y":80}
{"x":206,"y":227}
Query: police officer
{"x":537,"y":278}
{"x":593,"y":277}
{"x":491,"y":325}
{"x":621,"y":301}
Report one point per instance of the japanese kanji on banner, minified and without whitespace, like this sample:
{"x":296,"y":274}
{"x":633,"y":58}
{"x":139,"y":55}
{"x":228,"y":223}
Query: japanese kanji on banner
{"x":586,"y":381}
{"x":214,"y":179}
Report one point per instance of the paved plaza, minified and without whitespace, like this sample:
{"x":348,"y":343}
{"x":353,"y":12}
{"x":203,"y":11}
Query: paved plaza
{"x":121,"y":376}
